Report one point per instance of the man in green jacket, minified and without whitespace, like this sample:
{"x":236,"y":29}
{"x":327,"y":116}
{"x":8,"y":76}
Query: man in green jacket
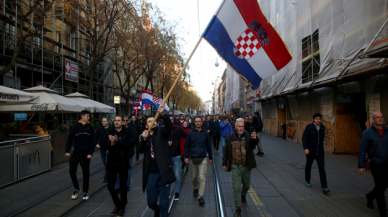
{"x":240,"y":159}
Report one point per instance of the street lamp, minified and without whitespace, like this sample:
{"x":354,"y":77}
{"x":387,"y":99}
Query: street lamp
{"x":217,"y":64}
{"x":133,"y":92}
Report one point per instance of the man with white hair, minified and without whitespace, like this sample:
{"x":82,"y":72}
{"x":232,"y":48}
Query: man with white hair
{"x":374,"y":141}
{"x":240,"y":159}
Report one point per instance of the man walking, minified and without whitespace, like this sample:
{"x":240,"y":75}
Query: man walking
{"x":216,"y":133}
{"x":174,"y":143}
{"x":226,"y":129}
{"x":82,"y":134}
{"x":158,"y":171}
{"x":374,"y":142}
{"x":197,"y":145}
{"x":134,"y":123}
{"x":208,"y":126}
{"x":133,"y":132}
{"x":119,"y":164}
{"x":103,"y":143}
{"x":247,"y":124}
{"x":258,"y":124}
{"x":313,"y":137}
{"x":240,"y":159}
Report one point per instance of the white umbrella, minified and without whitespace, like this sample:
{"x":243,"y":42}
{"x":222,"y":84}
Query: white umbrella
{"x":10,"y":96}
{"x":50,"y":102}
{"x":98,"y":107}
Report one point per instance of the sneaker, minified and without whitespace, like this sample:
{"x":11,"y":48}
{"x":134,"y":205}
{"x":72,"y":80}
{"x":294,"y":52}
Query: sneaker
{"x":325,"y":190}
{"x":261,"y":154}
{"x":195,"y":193}
{"x":369,"y":202}
{"x":75,"y":194}
{"x":308,"y":184}
{"x":105,"y":180}
{"x":114,"y":212}
{"x":238,"y":212}
{"x":128,"y":188}
{"x":86,"y":196}
{"x":120,"y":212}
{"x":201,"y":201}
{"x":243,"y":200}
{"x":176,"y":196}
{"x":157,"y":213}
{"x":258,"y":153}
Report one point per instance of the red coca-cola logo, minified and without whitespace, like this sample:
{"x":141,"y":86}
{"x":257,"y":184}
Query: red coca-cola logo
{"x":43,"y":106}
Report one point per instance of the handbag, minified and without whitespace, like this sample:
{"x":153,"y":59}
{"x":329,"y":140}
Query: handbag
{"x":368,"y":159}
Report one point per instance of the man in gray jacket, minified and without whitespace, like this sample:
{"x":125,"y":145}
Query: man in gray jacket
{"x":374,"y":142}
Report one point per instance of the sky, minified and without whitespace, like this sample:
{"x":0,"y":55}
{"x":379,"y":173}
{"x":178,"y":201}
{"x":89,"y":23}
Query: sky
{"x":202,"y":65}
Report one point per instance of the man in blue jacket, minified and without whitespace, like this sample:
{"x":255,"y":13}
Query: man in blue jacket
{"x":197,"y":146}
{"x":313,"y":136}
{"x":378,"y":157}
{"x":226,"y":129}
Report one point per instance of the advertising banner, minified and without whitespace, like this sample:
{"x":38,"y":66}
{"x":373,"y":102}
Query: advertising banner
{"x":71,"y":70}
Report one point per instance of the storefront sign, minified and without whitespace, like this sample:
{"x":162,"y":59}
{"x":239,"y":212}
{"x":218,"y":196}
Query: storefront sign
{"x":257,"y":92}
{"x":71,"y":70}
{"x":20,"y":116}
{"x":116,"y":99}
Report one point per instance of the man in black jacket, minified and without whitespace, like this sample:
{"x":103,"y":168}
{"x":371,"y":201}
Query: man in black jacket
{"x":103,"y":143}
{"x":216,"y":133}
{"x":197,"y":146}
{"x":258,"y":124}
{"x":174,"y":143}
{"x":208,"y":126}
{"x":313,"y":137}
{"x":134,"y":123}
{"x":118,"y":163}
{"x":82,"y":134}
{"x":158,"y":171}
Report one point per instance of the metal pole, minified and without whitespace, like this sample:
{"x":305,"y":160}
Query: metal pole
{"x":374,"y":38}
{"x":16,"y":42}
{"x":287,"y":82}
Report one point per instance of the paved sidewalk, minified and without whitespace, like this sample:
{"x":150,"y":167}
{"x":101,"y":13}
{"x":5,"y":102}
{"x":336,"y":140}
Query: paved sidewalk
{"x":283,"y":168}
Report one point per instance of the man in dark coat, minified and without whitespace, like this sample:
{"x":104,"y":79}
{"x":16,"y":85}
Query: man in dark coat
{"x":258,"y":124}
{"x":158,"y":171}
{"x":208,"y":126}
{"x":216,"y":133}
{"x":377,"y":133}
{"x":313,"y":137}
{"x":134,"y":123}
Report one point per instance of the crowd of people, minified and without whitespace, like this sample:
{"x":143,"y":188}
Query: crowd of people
{"x":172,"y":144}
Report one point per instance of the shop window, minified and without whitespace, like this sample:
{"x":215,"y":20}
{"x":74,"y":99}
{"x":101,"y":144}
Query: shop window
{"x":311,"y":60}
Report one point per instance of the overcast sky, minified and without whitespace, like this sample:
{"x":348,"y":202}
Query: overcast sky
{"x":202,"y":65}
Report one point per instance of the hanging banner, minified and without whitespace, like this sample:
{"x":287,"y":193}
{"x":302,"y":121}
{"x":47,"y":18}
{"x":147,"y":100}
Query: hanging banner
{"x":71,"y":70}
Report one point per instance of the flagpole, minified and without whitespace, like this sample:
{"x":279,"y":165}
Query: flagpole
{"x":176,"y":80}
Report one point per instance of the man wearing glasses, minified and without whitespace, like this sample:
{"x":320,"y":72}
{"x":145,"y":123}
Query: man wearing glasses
{"x":125,"y":122}
{"x":374,"y":141}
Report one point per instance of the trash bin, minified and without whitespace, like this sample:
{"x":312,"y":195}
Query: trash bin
{"x":284,"y":131}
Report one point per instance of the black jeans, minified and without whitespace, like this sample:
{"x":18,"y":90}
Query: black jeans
{"x":122,"y":171}
{"x":216,"y":141}
{"x":380,"y":177}
{"x":321,"y":166}
{"x":82,"y":159}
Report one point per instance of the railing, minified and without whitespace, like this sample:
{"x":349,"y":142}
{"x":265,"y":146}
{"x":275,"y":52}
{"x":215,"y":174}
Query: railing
{"x":22,"y":158}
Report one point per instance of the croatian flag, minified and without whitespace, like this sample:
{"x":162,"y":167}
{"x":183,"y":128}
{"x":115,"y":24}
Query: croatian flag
{"x":245,"y":39}
{"x":149,"y":98}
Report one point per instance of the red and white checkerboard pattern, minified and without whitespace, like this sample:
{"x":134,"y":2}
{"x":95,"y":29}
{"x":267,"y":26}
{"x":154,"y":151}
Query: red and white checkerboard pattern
{"x":155,"y":99}
{"x":246,"y":45}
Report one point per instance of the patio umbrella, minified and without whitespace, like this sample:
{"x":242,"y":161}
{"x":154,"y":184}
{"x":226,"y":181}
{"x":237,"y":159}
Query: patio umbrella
{"x":9,"y":96}
{"x":50,"y":102}
{"x":98,"y":107}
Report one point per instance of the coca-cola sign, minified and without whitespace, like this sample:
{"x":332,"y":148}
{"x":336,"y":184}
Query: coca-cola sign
{"x":40,"y":107}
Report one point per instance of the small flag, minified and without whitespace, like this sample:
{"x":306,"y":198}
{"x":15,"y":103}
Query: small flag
{"x":245,"y":39}
{"x":149,"y":98}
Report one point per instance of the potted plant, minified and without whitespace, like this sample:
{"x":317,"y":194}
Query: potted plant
{"x":11,"y":127}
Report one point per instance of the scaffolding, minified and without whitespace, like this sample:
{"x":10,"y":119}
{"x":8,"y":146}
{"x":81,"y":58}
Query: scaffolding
{"x":41,"y":60}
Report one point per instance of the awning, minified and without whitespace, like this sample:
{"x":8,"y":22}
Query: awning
{"x":50,"y":102}
{"x":98,"y":107}
{"x":9,"y":96}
